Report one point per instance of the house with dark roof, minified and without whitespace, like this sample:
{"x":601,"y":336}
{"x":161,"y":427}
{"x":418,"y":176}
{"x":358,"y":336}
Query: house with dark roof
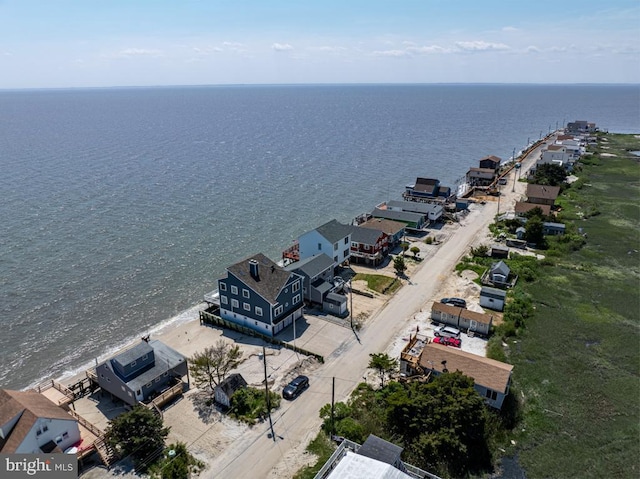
{"x":259,"y":294}
{"x":224,"y":391}
{"x":141,"y":372}
{"x":499,"y":275}
{"x":30,"y":423}
{"x":490,"y":162}
{"x":332,"y":238}
{"x":425,"y":189}
{"x":413,"y":221}
{"x":393,"y":229}
{"x":368,"y":245}
{"x":492,"y":378}
{"x":317,"y":276}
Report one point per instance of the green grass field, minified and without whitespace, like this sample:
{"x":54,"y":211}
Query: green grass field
{"x":577,"y":365}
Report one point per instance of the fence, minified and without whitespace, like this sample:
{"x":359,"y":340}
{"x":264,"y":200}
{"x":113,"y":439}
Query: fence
{"x":212,"y":319}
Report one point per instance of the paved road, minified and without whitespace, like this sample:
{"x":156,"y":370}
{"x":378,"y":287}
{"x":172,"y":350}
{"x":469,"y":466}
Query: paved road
{"x":255,"y":455}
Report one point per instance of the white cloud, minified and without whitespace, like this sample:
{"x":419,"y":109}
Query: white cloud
{"x":207,"y":50}
{"x":509,"y":29}
{"x":281,"y":47}
{"x":136,"y":52}
{"x":532,"y":49}
{"x":391,"y":53}
{"x":480,"y":46}
{"x":328,"y":49}
{"x":429,"y":49}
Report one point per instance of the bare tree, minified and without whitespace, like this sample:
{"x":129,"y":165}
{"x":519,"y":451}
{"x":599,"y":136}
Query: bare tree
{"x":210,"y":367}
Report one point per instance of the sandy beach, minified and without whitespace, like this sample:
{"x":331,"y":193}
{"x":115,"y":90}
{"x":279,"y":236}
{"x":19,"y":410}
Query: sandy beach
{"x":232,"y":449}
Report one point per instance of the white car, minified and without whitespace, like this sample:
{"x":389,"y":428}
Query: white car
{"x":447,"y":332}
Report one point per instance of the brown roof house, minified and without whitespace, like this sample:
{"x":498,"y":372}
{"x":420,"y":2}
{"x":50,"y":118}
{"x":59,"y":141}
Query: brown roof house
{"x":462,"y":318}
{"x":542,"y":194}
{"x":524,"y":207}
{"x":491,"y":378}
{"x":30,"y":423}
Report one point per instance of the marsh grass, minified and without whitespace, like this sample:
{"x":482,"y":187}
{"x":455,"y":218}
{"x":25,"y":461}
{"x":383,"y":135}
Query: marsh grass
{"x":577,"y":362}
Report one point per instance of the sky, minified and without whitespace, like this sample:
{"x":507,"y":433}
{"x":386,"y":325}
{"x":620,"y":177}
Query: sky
{"x":107,"y":43}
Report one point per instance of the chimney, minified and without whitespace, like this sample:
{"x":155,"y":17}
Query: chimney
{"x":253,"y":269}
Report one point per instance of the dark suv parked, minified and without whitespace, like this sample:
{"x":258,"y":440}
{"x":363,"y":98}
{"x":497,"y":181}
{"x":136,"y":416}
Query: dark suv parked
{"x":459,"y":302}
{"x":295,"y":387}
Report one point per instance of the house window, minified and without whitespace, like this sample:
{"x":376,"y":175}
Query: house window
{"x":235,"y":303}
{"x":296,"y":287}
{"x":296,"y":299}
{"x":335,"y":246}
{"x":166,"y":373}
{"x":223,"y":300}
{"x":346,"y":240}
{"x":354,"y":245}
{"x":148,"y":385}
{"x":491,"y":394}
{"x":158,"y":379}
{"x":223,"y":286}
{"x":246,"y":306}
{"x":123,"y":388}
{"x":278,"y":310}
{"x":258,"y":311}
{"x":245,"y":293}
{"x":133,"y":363}
{"x":145,"y":357}
{"x":319,"y":246}
{"x":65,"y":435}
{"x":234,"y":290}
{"x":335,"y":259}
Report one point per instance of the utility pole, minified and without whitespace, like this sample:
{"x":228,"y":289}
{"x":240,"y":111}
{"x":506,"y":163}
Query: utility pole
{"x":333,"y":397}
{"x":351,"y":301}
{"x":266,"y":390}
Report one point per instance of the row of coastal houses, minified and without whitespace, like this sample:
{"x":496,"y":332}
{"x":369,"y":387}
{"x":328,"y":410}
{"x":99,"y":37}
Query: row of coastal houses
{"x":569,"y":146}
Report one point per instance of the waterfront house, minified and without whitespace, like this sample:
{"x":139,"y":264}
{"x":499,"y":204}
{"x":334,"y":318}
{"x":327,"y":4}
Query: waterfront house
{"x":224,"y":391}
{"x":141,"y":372}
{"x":332,"y":238}
{"x":580,"y":127}
{"x":412,"y":221}
{"x":480,"y":176}
{"x":317,"y":276}
{"x":258,"y":294}
{"x":491,"y":378}
{"x":30,"y":423}
{"x":433,"y":211}
{"x":426,"y":189}
{"x":492,"y":298}
{"x":499,"y":251}
{"x":542,"y":194}
{"x":393,"y":229}
{"x":368,"y":245}
{"x":491,"y":162}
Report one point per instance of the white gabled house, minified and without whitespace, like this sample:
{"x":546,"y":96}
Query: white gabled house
{"x":332,"y":238}
{"x":30,"y":423}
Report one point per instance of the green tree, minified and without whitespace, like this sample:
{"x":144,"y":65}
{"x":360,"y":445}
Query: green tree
{"x":250,"y":405}
{"x":550,"y":174}
{"x":399,"y":265}
{"x":415,"y":250}
{"x":210,"y":367}
{"x":534,"y":232}
{"x":383,"y":364}
{"x":178,"y":463}
{"x":138,"y":433}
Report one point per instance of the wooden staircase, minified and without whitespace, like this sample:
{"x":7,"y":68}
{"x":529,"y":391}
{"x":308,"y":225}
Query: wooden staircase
{"x":107,"y":453}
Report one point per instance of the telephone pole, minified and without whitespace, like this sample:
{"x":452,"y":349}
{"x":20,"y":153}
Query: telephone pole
{"x":266,"y":390}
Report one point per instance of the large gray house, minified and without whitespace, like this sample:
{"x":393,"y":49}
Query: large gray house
{"x":142,"y":371}
{"x":259,"y":294}
{"x":317,"y":274}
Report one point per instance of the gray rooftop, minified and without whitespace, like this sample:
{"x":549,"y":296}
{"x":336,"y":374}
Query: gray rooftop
{"x":362,"y":235}
{"x":312,"y":266}
{"x":413,"y":206}
{"x":271,"y":278}
{"x":493,"y":292}
{"x":133,"y":354}
{"x":404,"y":216}
{"x":381,"y":450}
{"x":334,"y":231}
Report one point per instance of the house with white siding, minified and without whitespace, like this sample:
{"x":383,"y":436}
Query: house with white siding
{"x":332,"y":238}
